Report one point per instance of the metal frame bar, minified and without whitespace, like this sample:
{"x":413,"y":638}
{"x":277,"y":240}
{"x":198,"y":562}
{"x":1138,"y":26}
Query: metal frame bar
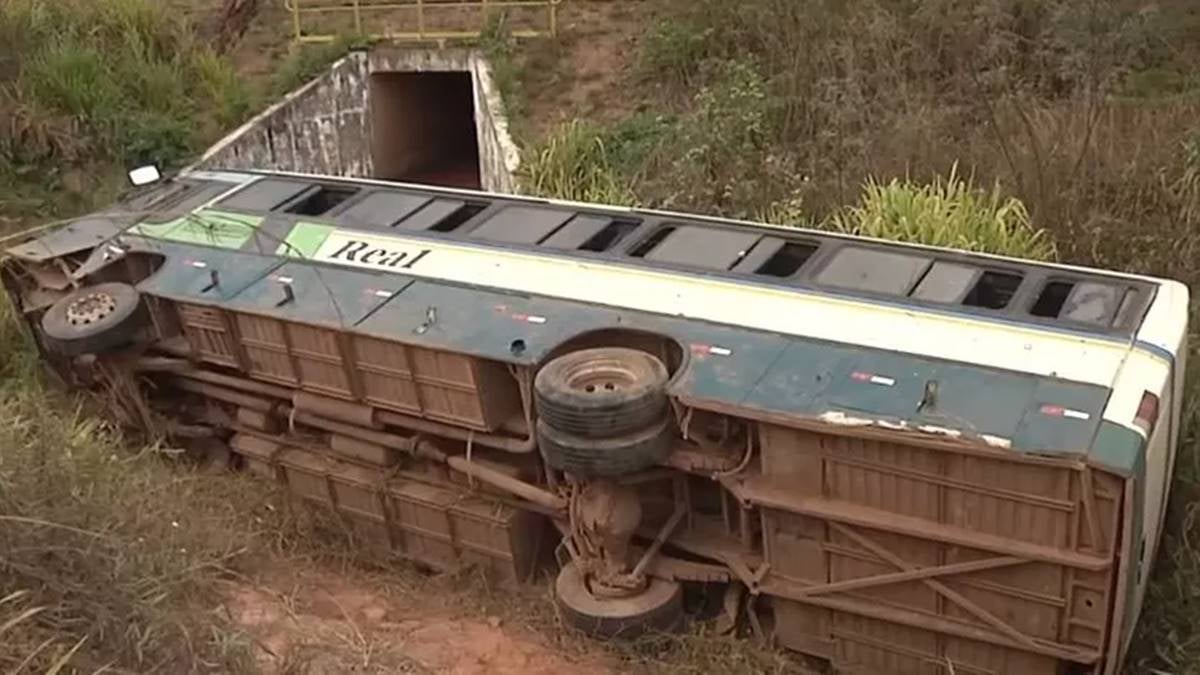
{"x":359,"y":8}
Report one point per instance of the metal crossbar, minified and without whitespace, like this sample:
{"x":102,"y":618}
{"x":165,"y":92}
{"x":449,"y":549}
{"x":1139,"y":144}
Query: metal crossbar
{"x":374,"y":19}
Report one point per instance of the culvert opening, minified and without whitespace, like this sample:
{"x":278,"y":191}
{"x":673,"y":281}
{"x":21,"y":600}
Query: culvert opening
{"x":423,"y":128}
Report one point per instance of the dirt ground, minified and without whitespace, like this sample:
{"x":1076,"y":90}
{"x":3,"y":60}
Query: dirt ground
{"x":319,"y":621}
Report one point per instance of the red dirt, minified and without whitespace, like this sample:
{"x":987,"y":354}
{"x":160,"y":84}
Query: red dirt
{"x":319,"y":622}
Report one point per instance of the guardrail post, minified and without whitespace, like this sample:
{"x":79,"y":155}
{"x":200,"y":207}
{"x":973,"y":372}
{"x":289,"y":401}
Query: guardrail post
{"x":358,"y":29}
{"x":296,"y":18}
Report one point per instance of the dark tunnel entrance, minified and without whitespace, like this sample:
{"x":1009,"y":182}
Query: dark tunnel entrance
{"x":423,"y":128}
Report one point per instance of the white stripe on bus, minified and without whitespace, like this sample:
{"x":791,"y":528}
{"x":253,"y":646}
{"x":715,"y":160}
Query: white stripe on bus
{"x":786,"y":311}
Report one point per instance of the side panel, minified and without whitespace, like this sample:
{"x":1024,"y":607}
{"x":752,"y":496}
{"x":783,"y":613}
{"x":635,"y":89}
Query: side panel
{"x":891,"y":558}
{"x":439,"y":385}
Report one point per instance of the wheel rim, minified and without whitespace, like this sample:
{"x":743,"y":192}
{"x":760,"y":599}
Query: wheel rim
{"x":601,"y":378}
{"x":91,"y":308}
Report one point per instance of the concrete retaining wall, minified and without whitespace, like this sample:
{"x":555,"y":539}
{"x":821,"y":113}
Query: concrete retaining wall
{"x":324,"y":127}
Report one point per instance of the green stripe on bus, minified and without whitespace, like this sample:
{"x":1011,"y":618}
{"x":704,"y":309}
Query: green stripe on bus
{"x":304,"y":240}
{"x":210,"y":228}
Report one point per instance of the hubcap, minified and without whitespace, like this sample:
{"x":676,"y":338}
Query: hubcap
{"x":90,"y":308}
{"x":600,"y":378}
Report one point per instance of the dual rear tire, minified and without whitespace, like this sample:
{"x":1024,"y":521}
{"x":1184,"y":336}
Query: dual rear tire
{"x":603,"y":412}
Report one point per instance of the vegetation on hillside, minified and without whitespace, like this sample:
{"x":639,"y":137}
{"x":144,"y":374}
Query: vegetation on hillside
{"x":745,"y":105}
{"x":87,"y":88}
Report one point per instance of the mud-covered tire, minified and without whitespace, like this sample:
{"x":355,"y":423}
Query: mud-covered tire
{"x":603,"y":457}
{"x":658,"y":609}
{"x":93,"y":319}
{"x":602,"y":392}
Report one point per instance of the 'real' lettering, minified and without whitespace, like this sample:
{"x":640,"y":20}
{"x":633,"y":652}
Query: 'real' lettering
{"x":348,"y":251}
{"x":370,"y":253}
{"x":366,"y":257}
{"x":422,"y":254}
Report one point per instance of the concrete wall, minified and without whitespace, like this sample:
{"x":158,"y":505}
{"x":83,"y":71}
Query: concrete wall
{"x":325,"y":126}
{"x":322,"y":127}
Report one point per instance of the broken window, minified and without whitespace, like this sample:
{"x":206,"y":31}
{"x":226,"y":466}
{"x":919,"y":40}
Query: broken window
{"x":993,"y":290}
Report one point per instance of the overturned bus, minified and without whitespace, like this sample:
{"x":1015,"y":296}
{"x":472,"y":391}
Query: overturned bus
{"x":896,"y":458}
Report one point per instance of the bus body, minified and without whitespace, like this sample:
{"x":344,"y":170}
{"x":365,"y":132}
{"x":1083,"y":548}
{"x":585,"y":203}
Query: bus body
{"x":896,"y":458}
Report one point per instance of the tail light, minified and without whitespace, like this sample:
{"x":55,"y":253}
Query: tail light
{"x":1147,"y":414}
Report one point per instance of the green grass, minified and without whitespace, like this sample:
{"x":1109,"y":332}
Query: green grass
{"x":306,"y":62}
{"x":949,"y":212}
{"x":87,"y":88}
{"x":576,"y":164}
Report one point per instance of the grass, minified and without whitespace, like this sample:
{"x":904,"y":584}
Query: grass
{"x":949,"y":212}
{"x":308,"y":61}
{"x":87,"y":88}
{"x":110,"y":558}
{"x":576,"y":164}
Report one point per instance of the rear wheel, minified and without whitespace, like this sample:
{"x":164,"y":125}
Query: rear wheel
{"x":659,"y":608}
{"x":602,"y":393}
{"x":93,"y":319}
{"x":605,"y":457}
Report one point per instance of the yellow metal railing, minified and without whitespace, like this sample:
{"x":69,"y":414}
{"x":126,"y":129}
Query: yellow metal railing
{"x":401,"y":20}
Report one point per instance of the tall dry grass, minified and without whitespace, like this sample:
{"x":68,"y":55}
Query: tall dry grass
{"x":108,"y":557}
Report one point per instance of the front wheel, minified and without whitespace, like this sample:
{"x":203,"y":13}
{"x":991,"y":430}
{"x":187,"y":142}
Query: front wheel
{"x":658,"y":608}
{"x":93,"y":319}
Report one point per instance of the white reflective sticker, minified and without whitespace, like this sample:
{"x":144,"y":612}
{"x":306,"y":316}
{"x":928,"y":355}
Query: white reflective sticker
{"x":199,"y":264}
{"x":719,"y":351}
{"x":535,"y":319}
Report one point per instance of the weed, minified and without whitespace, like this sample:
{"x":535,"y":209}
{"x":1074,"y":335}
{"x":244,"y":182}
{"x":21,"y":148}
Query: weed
{"x":949,"y":212}
{"x":722,"y":156}
{"x":309,"y":61}
{"x":500,"y":48}
{"x":118,"y":550}
{"x":575,"y":164}
{"x":673,"y":51}
{"x":789,"y":211}
{"x":218,"y":82}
